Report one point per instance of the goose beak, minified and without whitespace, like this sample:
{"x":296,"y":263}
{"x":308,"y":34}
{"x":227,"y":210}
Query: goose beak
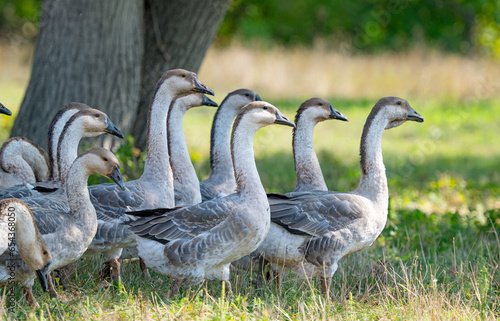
{"x":283,"y":120}
{"x":116,"y":176}
{"x":112,"y":129}
{"x":208,"y":102}
{"x":257,"y":97}
{"x":335,"y":114}
{"x":200,"y":87}
{"x":4,"y":110}
{"x":42,"y":276}
{"x":413,"y":115}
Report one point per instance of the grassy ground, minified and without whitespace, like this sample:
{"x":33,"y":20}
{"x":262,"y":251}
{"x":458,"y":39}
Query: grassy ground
{"x":437,"y":258}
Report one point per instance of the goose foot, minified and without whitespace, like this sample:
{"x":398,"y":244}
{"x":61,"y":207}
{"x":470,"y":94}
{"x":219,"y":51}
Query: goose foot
{"x":175,"y":287}
{"x":145,"y":270}
{"x":51,"y":288}
{"x":28,"y":294}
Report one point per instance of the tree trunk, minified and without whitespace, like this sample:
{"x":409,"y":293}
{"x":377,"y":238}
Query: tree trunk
{"x":87,"y":51}
{"x":109,"y":55}
{"x":178,"y":33}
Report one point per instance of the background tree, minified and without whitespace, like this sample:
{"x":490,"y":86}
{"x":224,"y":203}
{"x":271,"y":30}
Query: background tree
{"x":109,"y":54}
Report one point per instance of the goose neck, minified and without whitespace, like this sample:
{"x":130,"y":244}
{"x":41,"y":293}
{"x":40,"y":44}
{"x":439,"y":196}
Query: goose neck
{"x":307,"y":167}
{"x":67,"y":149}
{"x":248,"y":182}
{"x":373,"y":183}
{"x":53,"y":140}
{"x":157,"y":164}
{"x":221,"y":162}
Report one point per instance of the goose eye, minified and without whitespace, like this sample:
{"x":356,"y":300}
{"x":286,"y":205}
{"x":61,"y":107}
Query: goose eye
{"x":247,"y":95}
{"x":183,"y":75}
{"x":321,"y":104}
{"x":105,"y":159}
{"x":44,"y":252}
{"x":399,"y":103}
{"x":97,"y":115}
{"x":265,"y":107}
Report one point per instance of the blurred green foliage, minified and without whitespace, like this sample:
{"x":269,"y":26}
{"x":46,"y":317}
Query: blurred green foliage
{"x":461,"y":26}
{"x":368,"y":25}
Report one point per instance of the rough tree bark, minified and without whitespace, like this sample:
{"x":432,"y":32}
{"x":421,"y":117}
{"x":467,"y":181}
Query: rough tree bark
{"x":177,"y":34}
{"x":88,"y":51}
{"x":109,"y":55}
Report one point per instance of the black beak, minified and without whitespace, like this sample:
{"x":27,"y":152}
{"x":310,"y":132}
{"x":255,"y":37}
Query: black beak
{"x":257,"y":97}
{"x":116,"y":176}
{"x":42,"y":276}
{"x":4,"y":110}
{"x":112,"y":129}
{"x":200,"y":87}
{"x":283,"y":120}
{"x":208,"y":102}
{"x":335,"y":114}
{"x":413,"y":115}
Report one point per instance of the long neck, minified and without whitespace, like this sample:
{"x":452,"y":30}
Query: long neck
{"x":54,"y":133}
{"x":67,"y":150}
{"x":221,"y":163}
{"x":26,"y":232}
{"x":78,"y":196}
{"x":307,"y":168}
{"x":373,"y":183}
{"x":248,"y":182}
{"x":157,"y":166}
{"x":183,"y":170}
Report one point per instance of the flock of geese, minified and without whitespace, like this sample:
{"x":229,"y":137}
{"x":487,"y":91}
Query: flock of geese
{"x":183,"y":228}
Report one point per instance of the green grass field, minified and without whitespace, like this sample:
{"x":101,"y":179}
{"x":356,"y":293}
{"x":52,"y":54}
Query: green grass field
{"x":437,"y":258}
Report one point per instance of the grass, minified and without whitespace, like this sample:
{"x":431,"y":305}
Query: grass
{"x":437,"y":258}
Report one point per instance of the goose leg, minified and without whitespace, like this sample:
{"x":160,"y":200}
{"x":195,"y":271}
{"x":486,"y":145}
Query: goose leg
{"x":325,"y":285}
{"x":51,"y":288}
{"x":227,"y":287}
{"x":175,"y":287}
{"x":144,"y":269}
{"x":114,"y":270}
{"x":28,"y":294}
{"x":63,"y":277}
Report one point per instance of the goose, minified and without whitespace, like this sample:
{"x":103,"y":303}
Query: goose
{"x":22,"y":162}
{"x":200,"y":241}
{"x":20,"y":237}
{"x":67,"y":219}
{"x":311,"y":231}
{"x":186,"y":183}
{"x":85,"y":122}
{"x":221,"y":181}
{"x":155,"y":186}
{"x":307,"y":168}
{"x":4,"y":110}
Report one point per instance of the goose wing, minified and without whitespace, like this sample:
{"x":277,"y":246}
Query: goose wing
{"x":165,"y":225}
{"x":111,"y":202}
{"x":314,"y":213}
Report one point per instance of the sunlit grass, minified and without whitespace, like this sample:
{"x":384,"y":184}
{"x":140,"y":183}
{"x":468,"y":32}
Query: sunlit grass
{"x":438,"y":255}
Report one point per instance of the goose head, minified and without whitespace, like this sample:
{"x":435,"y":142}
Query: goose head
{"x":194,"y":100}
{"x":95,"y":123}
{"x":239,"y":98}
{"x":318,"y":110}
{"x":102,"y":161}
{"x":181,"y":82}
{"x":397,"y":110}
{"x":30,"y":243}
{"x":263,"y":114}
{"x":4,"y":110}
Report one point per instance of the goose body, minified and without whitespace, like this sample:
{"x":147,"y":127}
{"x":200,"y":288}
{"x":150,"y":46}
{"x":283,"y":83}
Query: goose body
{"x":72,"y":123}
{"x":68,"y":233}
{"x":155,"y":186}
{"x":200,"y":241}
{"x":22,"y":162}
{"x":221,"y":181}
{"x":312,"y":231}
{"x":307,"y":168}
{"x":21,"y":244}
{"x":186,"y":183}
